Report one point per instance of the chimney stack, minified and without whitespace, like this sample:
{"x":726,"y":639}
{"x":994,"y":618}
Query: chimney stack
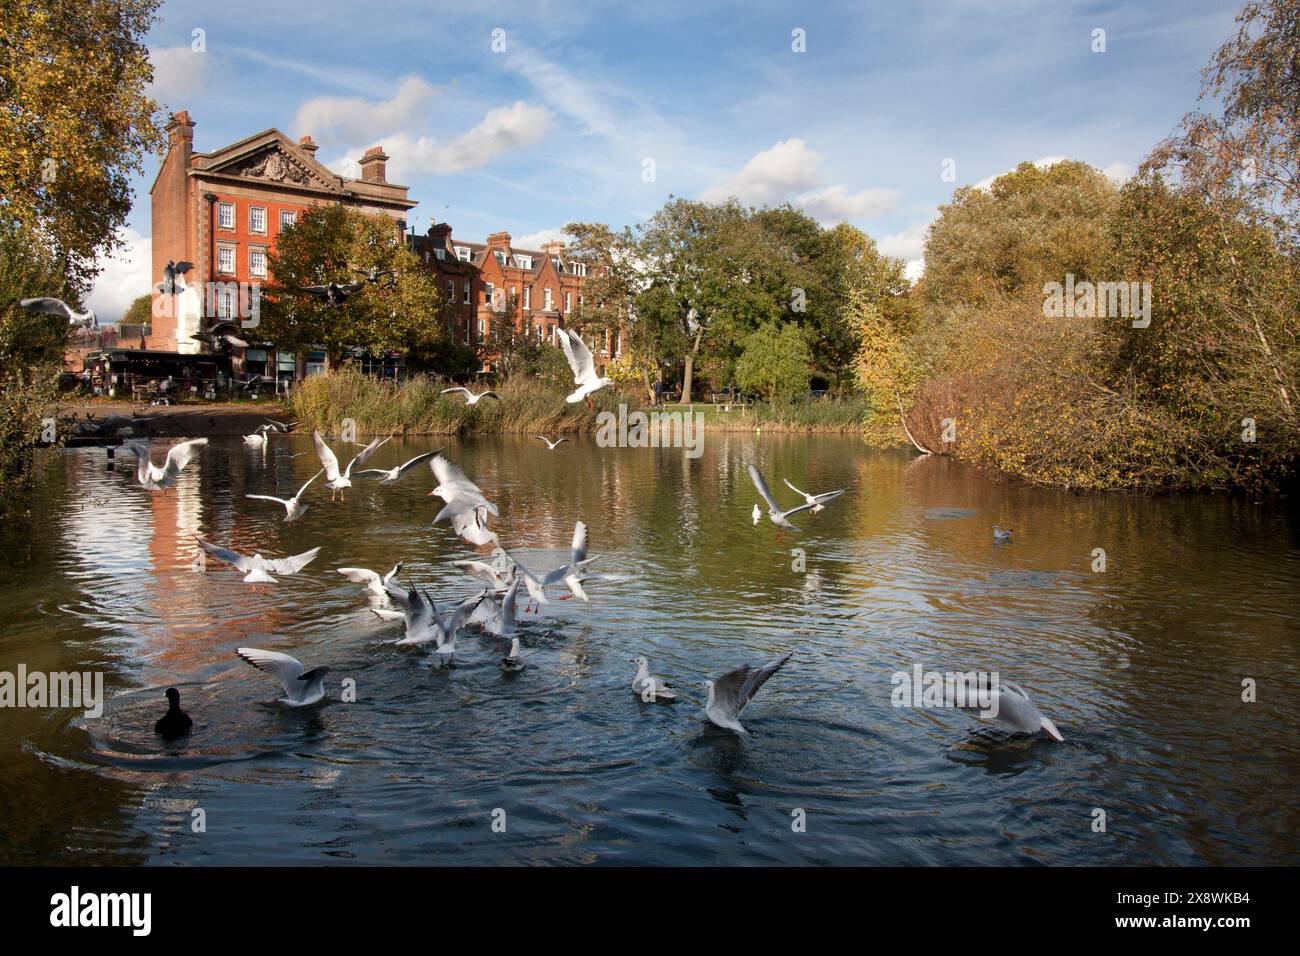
{"x":307,"y":145}
{"x":501,"y":239}
{"x":180,"y":135}
{"x":372,"y":165}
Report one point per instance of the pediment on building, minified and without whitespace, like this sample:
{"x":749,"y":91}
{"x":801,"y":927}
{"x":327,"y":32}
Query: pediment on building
{"x":272,"y":160}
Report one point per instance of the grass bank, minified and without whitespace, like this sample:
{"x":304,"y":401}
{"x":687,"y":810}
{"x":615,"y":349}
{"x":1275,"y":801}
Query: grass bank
{"x":527,"y":407}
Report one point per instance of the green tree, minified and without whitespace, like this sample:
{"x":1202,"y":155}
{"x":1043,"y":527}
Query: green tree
{"x":140,"y":311}
{"x":774,"y":362}
{"x":404,"y":310}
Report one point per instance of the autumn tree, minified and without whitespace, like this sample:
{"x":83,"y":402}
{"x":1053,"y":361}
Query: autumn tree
{"x":774,"y":362}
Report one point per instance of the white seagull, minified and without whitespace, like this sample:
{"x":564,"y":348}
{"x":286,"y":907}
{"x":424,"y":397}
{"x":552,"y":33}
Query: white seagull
{"x":1000,"y":535}
{"x":52,"y":306}
{"x":336,"y":480}
{"x":470,"y":397}
{"x":1015,"y":708}
{"x":490,"y":574}
{"x":391,"y":476}
{"x":293,"y":507}
{"x":513,"y":662}
{"x":375,"y":583}
{"x":572,"y":573}
{"x":257,"y":569}
{"x":425,"y":625}
{"x":584,"y":368}
{"x":301,"y":686}
{"x":465,"y":505}
{"x":536,"y":586}
{"x":499,"y":618}
{"x":757,"y":515}
{"x":550,"y":445}
{"x":729,"y":694}
{"x":818,"y":502}
{"x":648,"y":687}
{"x":774,"y":513}
{"x":160,"y":478}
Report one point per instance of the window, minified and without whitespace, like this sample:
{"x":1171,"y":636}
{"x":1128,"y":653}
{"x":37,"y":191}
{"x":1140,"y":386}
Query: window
{"x":579,"y":268}
{"x":287,"y":218}
{"x":462,"y":253}
{"x":451,"y":290}
{"x":226,"y":305}
{"x":525,"y":262}
{"x":487,"y":295}
{"x":480,"y":328}
{"x":441,"y":253}
{"x":546,"y":299}
{"x":225,"y":215}
{"x":501,"y":258}
{"x":559,"y":266}
{"x":568,"y":302}
{"x":528,"y":298}
{"x":465,"y":299}
{"x":257,"y":263}
{"x":225,"y":259}
{"x":257,"y":220}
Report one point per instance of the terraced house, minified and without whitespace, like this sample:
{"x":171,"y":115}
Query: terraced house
{"x":494,"y":282}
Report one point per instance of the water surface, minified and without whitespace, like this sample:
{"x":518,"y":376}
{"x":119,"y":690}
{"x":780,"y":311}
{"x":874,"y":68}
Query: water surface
{"x":1141,"y":667}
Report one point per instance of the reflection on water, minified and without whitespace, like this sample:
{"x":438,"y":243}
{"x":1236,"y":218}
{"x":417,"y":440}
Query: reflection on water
{"x":1140,"y":666}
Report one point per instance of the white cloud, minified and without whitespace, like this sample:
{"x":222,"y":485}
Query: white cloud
{"x":908,"y":244}
{"x":178,"y":73}
{"x":535,"y":240}
{"x":791,"y":172}
{"x":124,"y":277}
{"x":502,"y":130}
{"x":1043,"y":162}
{"x":1118,"y":172}
{"x":355,"y":119}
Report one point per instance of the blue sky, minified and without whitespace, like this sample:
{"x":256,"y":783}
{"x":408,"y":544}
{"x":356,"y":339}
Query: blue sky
{"x":560,"y":124}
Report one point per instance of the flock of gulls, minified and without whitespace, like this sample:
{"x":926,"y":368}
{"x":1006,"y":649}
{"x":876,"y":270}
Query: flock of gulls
{"x":492,"y":605}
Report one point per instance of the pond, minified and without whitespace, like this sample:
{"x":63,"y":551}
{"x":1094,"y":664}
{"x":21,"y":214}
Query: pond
{"x":1140,"y":665}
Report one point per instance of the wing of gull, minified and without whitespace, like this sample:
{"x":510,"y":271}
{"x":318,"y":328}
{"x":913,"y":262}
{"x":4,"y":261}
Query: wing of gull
{"x":329,"y":462}
{"x":301,"y":686}
{"x":1016,"y":709}
{"x":729,"y":694}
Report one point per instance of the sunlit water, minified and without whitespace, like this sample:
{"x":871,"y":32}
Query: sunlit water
{"x":1141,"y":667}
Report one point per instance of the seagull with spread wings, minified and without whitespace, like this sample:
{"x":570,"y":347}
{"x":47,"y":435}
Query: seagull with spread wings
{"x":729,"y":694}
{"x":391,"y":476}
{"x":550,"y":445}
{"x":470,"y":397}
{"x":336,"y":480}
{"x":572,"y":574}
{"x":1010,"y":704}
{"x":375,"y":582}
{"x":584,"y":368}
{"x":257,"y":569}
{"x":774,"y":513}
{"x":301,"y":686}
{"x":173,"y":281}
{"x":466,"y":506}
{"x":161,"y":477}
{"x":48,"y":305}
{"x":818,"y":502}
{"x":333,"y":293}
{"x":293,"y":507}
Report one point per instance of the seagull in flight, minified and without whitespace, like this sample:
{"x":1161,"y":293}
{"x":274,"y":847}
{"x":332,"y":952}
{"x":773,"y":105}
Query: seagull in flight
{"x":466,"y":506}
{"x":283,"y":427}
{"x":572,"y":573}
{"x":497,"y":575}
{"x":51,"y":306}
{"x":373,"y":274}
{"x":221,"y":332}
{"x":334,"y":293}
{"x":391,"y":476}
{"x":301,"y":686}
{"x":173,"y":281}
{"x":1014,"y":707}
{"x":161,"y":477}
{"x":470,"y":397}
{"x":338,"y":480}
{"x":550,"y":445}
{"x":774,"y":513}
{"x":818,"y":502}
{"x":648,"y":687}
{"x":499,"y":619}
{"x":584,"y":368}
{"x":257,"y":569}
{"x":293,"y":507}
{"x":729,"y":694}
{"x":375,"y":583}
{"x":536,"y":586}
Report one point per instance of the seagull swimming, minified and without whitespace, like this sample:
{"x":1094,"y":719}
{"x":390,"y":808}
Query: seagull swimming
{"x":499,"y":618}
{"x":513,"y":663}
{"x":257,"y":569}
{"x":293,"y":507}
{"x":550,"y":445}
{"x":470,"y":397}
{"x":774,"y":513}
{"x":175,"y":723}
{"x":465,"y":505}
{"x":1000,"y":535}
{"x":375,"y":583}
{"x":161,"y":477}
{"x":301,"y":686}
{"x":391,"y":476}
{"x":1015,"y":708}
{"x":729,"y":694}
{"x":336,"y":480}
{"x":584,"y":368}
{"x":51,"y":306}
{"x":648,"y":687}
{"x":818,"y":502}
{"x":758,"y":514}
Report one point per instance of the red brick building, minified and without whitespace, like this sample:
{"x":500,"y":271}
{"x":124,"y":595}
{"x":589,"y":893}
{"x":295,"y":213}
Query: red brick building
{"x":223,"y":210}
{"x":495,"y":281}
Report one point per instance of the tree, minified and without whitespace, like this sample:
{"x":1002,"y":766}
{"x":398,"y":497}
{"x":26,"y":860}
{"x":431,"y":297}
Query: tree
{"x":140,"y":311}
{"x":774,"y":363}
{"x":76,"y":122}
{"x":404,"y":310}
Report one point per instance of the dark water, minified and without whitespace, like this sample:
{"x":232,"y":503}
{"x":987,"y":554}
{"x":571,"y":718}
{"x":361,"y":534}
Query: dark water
{"x":1140,"y":667}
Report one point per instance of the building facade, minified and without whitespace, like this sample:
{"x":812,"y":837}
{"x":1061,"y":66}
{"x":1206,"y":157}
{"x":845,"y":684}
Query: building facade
{"x":223,"y":210}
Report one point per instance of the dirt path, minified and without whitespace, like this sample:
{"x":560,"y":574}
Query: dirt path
{"x":190,"y":421}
